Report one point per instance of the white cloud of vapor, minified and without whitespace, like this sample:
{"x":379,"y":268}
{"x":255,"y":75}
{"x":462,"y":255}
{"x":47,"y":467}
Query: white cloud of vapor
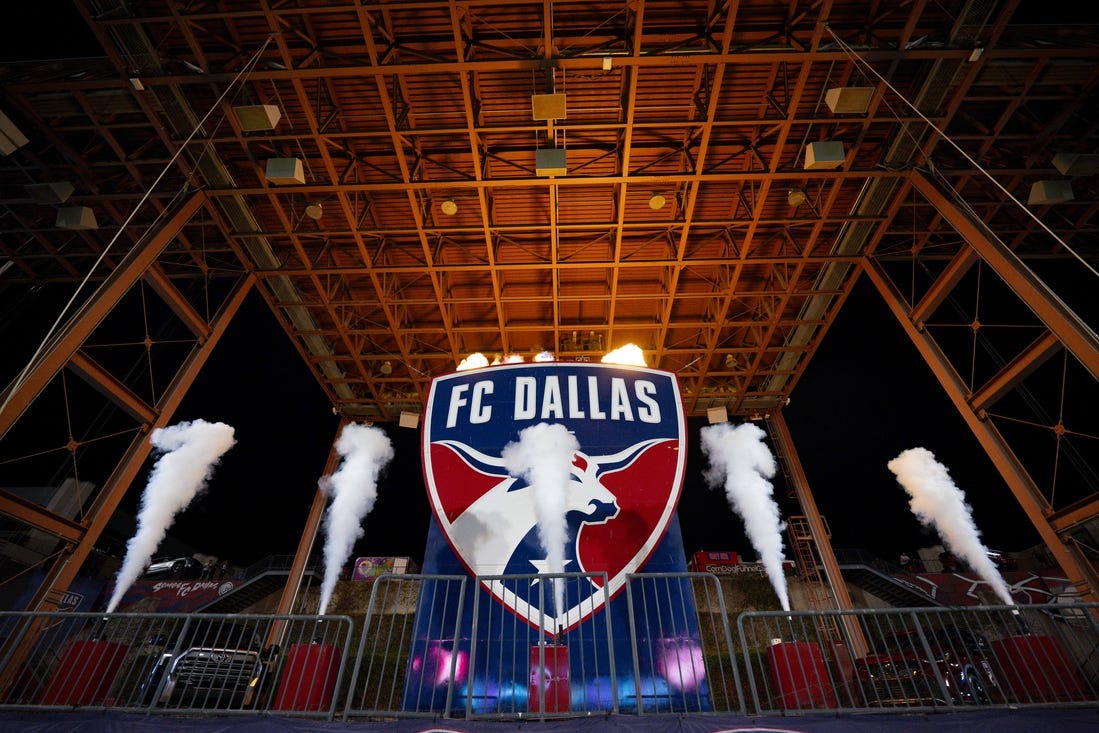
{"x":742,"y":464}
{"x":938,"y":503}
{"x":189,"y":452}
{"x":365,"y":450}
{"x":543,"y":456}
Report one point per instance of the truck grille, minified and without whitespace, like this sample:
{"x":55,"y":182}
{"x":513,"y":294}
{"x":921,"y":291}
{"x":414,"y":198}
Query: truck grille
{"x":215,"y":674}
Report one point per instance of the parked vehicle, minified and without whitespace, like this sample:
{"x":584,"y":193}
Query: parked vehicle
{"x":209,"y":664}
{"x":176,"y":567}
{"x":928,"y":666}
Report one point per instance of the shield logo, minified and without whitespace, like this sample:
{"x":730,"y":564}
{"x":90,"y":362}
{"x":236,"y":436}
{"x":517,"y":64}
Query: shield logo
{"x":624,"y":477}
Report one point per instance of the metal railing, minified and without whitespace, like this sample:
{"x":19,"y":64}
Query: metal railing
{"x":175,"y":663}
{"x":923,"y":659}
{"x":441,"y":646}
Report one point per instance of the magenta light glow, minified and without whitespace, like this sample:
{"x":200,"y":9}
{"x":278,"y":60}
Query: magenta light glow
{"x":436,"y":661}
{"x":680,"y":662}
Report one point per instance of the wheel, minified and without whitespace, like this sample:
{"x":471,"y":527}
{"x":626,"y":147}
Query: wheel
{"x":178,"y":567}
{"x":975,"y":690}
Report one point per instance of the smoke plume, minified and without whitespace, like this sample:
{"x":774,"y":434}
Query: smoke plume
{"x":365,"y":451}
{"x":742,"y":464}
{"x":189,"y":451}
{"x":543,"y":456}
{"x":939,"y":504}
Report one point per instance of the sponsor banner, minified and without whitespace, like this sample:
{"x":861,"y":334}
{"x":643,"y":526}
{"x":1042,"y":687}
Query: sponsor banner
{"x":177,"y":596}
{"x":729,"y":563}
{"x":969,"y":589}
{"x":369,"y":568}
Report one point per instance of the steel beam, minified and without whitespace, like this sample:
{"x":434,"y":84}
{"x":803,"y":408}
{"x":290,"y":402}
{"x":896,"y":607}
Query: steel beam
{"x":800,"y":484}
{"x":39,"y":517}
{"x":57,"y":352}
{"x":309,"y":534}
{"x":109,"y":386}
{"x":1026,"y":492}
{"x":1069,"y":328}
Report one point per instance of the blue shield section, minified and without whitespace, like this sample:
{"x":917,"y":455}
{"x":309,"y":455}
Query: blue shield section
{"x":512,"y":648}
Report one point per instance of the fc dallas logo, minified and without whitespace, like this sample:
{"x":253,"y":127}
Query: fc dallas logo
{"x":623,"y":480}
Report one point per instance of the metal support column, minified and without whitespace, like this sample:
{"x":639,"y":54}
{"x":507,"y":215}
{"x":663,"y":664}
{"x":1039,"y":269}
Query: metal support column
{"x":66,"y":567}
{"x":1080,"y":573}
{"x":784,"y":445}
{"x":309,"y":533}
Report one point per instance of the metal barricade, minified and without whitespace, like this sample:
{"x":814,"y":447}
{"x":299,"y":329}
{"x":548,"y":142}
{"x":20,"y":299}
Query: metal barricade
{"x":550,"y":668}
{"x":682,"y":644}
{"x":174,"y":663}
{"x":922,"y":659}
{"x":397,"y":674}
{"x":442,"y":646}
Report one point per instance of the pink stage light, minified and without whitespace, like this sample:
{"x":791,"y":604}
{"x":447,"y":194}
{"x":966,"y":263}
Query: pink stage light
{"x":680,"y":662}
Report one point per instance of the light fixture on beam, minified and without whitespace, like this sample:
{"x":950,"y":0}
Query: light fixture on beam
{"x":1076,"y":164}
{"x":849,"y":100}
{"x":795,"y":197}
{"x":257,"y":117}
{"x":11,"y":137}
{"x":76,"y":217}
{"x":285,"y":171}
{"x":825,"y":155}
{"x":314,"y":211}
{"x":449,"y":207}
{"x":548,"y":106}
{"x":550,"y":162}
{"x":657,"y":201}
{"x":57,"y":192}
{"x":386,"y":368}
{"x":1050,"y":192}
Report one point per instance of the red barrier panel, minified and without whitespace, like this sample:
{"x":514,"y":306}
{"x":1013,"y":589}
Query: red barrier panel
{"x":549,"y":674}
{"x":85,"y":673}
{"x":308,"y":677}
{"x":797,"y":669}
{"x":1036,"y":670}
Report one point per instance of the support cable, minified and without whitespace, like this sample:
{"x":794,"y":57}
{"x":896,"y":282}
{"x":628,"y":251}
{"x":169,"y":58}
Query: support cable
{"x":21,"y":378}
{"x":861,"y":62}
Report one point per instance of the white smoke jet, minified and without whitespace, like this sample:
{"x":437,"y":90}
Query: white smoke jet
{"x":743,"y":465}
{"x":938,"y":503}
{"x":543,"y":456}
{"x":189,"y":452}
{"x":365,"y":450}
